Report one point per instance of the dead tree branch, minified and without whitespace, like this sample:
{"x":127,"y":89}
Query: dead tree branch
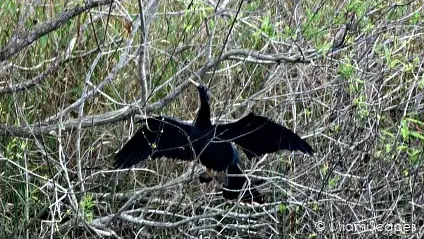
{"x":127,"y":111}
{"x":18,"y":42}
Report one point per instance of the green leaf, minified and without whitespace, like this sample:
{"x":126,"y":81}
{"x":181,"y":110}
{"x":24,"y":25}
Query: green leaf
{"x":333,"y":182}
{"x":417,"y":135}
{"x":282,"y":208}
{"x":404,"y":129}
{"x":405,"y":172}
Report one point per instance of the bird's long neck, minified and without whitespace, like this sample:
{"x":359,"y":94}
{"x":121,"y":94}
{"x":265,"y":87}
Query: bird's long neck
{"x":203,"y":119}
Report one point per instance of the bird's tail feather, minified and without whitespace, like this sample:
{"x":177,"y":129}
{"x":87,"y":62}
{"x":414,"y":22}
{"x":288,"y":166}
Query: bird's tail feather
{"x":304,"y":147}
{"x":235,"y":187}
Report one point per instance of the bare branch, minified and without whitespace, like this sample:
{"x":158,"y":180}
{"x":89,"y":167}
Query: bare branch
{"x":114,"y":116}
{"x":57,"y":61}
{"x":123,"y":61}
{"x":89,"y":121}
{"x":142,"y":54}
{"x":277,"y":58}
{"x":34,"y":81}
{"x":17,"y":43}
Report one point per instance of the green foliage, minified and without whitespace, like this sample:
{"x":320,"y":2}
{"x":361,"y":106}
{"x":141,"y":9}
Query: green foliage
{"x":332,"y":183}
{"x":253,"y":5}
{"x":324,"y":169}
{"x":288,"y":32}
{"x":311,"y":29}
{"x":193,"y":22}
{"x":411,"y":143}
{"x":396,"y":13}
{"x":409,"y":134}
{"x":416,"y":18}
{"x":314,"y":205}
{"x":346,"y":70}
{"x":267,"y":27}
{"x":283,"y":208}
{"x":15,"y":148}
{"x":266,"y":31}
{"x":361,"y":107}
{"x":87,"y":205}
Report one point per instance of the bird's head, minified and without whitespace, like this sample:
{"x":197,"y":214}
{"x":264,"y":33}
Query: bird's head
{"x":203,"y":91}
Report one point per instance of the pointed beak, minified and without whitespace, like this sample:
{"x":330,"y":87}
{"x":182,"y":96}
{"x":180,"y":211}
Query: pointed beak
{"x":194,"y":82}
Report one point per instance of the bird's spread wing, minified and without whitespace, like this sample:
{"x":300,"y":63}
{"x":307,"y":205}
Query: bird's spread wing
{"x":258,"y":135}
{"x":157,"y":137}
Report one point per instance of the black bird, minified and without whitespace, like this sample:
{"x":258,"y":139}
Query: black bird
{"x":162,"y":136}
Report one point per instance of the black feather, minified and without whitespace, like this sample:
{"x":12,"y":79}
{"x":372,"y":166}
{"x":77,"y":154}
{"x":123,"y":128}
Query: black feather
{"x":157,"y":137}
{"x":258,"y":135}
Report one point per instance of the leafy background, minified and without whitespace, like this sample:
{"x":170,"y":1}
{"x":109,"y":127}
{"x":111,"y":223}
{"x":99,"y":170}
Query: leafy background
{"x":76,"y":75}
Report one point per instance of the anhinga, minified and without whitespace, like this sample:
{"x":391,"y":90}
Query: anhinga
{"x":162,"y":136}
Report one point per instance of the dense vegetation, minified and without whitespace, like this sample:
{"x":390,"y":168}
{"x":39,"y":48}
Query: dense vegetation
{"x":76,"y":75}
